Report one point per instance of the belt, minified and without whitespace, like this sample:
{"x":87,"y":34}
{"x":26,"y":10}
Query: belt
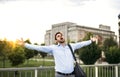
{"x":66,"y":74}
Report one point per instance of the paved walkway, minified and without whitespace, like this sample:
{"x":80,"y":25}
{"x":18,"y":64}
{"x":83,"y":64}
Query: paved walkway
{"x":42,"y":59}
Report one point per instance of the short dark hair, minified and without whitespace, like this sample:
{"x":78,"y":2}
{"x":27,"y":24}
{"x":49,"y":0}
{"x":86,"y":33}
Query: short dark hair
{"x":56,"y":35}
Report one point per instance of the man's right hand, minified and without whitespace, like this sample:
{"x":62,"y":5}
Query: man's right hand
{"x":20,"y":42}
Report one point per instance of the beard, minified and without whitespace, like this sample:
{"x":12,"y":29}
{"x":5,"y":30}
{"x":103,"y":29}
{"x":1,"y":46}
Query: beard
{"x":62,"y":41}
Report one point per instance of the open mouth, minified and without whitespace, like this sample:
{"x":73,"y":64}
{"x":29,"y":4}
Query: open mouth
{"x":61,"y":38}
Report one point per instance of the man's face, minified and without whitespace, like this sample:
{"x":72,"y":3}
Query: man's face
{"x":60,"y":38}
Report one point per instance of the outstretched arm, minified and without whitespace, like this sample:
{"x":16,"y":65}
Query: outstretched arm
{"x":20,"y":42}
{"x":84,"y":43}
{"x":46,"y":49}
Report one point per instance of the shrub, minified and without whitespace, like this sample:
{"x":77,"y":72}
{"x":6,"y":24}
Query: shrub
{"x":113,"y":55}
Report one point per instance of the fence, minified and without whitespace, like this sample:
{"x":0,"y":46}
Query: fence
{"x":112,"y":70}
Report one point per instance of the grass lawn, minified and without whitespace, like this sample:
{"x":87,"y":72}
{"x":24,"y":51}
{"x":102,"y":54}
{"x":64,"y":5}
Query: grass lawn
{"x":28,"y":73}
{"x":28,"y":63}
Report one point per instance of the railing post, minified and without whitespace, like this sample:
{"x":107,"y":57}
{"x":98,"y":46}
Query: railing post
{"x":96,"y":71}
{"x":116,"y":71}
{"x":36,"y":72}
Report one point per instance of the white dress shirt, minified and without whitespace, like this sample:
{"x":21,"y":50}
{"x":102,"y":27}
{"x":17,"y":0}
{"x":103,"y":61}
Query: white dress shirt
{"x":64,"y":61}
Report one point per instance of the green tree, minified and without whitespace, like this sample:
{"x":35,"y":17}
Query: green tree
{"x":109,"y":42}
{"x":111,"y":51}
{"x":5,"y":49}
{"x":91,"y":53}
{"x":28,"y":52}
{"x":2,"y":53}
{"x":17,"y":56}
{"x":113,"y":55}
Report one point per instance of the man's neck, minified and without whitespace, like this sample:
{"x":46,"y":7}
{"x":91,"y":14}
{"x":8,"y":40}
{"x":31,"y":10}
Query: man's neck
{"x":63,"y":44}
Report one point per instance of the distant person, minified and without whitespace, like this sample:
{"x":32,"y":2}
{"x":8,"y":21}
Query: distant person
{"x":64,"y":62}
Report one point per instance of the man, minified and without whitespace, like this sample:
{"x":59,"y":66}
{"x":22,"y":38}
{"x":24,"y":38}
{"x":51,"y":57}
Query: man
{"x":64,"y":62}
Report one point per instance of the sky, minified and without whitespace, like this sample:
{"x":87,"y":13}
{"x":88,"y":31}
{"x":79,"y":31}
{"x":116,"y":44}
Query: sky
{"x":31,"y":18}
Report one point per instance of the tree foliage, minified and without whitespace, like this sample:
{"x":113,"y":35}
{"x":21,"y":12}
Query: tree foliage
{"x":90,"y":53}
{"x":17,"y":56}
{"x":109,"y":42}
{"x":111,"y":50}
{"x":2,"y":45}
{"x":5,"y":49}
{"x":28,"y":52}
{"x":113,"y":55}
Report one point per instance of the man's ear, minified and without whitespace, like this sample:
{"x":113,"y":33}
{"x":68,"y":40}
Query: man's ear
{"x":56,"y":42}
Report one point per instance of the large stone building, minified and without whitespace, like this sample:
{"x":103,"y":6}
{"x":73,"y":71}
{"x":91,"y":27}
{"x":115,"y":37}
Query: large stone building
{"x":74,"y":33}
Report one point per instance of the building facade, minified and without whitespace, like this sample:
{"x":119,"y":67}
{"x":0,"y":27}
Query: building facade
{"x":74,"y":33}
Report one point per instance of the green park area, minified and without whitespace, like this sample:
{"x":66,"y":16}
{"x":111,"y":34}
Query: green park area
{"x":33,"y":62}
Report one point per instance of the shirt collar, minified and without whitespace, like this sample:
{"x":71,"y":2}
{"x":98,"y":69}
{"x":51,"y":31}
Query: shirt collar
{"x":60,"y":44}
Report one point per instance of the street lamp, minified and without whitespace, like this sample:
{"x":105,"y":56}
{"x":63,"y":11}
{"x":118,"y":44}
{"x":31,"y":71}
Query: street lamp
{"x":119,"y":28}
{"x":119,"y":16}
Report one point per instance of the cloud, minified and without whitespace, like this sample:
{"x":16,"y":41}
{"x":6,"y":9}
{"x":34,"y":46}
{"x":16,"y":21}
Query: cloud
{"x":66,"y":2}
{"x":26,"y":0}
{"x":4,"y":1}
{"x":7,"y":0}
{"x":80,"y":2}
{"x":22,"y":0}
{"x":115,"y":4}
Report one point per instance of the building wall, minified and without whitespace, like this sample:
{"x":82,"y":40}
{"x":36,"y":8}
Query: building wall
{"x":74,"y":33}
{"x":48,"y":37}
